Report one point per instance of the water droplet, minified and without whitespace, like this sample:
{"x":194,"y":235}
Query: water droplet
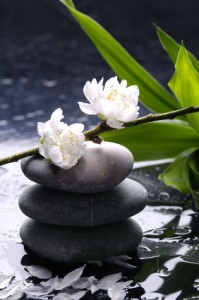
{"x":182,"y":230}
{"x":3,"y":123}
{"x":35,"y":114}
{"x":154,"y":233}
{"x":24,"y":80}
{"x":152,"y":296}
{"x":4,"y":106}
{"x":19,"y":118}
{"x":158,"y":231}
{"x":163,"y":273}
{"x":196,"y":284}
{"x":49,"y":83}
{"x":191,"y":298}
{"x":145,"y":248}
{"x":62,"y":96}
{"x":6,"y":81}
{"x":163,"y":196}
{"x":157,"y":168}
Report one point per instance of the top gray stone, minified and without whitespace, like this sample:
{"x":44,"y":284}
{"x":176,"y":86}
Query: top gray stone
{"x":101,"y":168}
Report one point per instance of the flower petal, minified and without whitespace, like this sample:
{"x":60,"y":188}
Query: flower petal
{"x":40,"y":128}
{"x":76,"y":128}
{"x":87,"y":108}
{"x":114,"y":123}
{"x":57,"y":114}
{"x":62,"y":144}
{"x":70,"y":278}
{"x":115,"y":103}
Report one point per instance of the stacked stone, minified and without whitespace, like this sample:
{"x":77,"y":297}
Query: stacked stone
{"x":82,"y":214}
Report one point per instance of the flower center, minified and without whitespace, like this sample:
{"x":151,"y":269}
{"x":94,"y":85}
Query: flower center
{"x":112,"y":93}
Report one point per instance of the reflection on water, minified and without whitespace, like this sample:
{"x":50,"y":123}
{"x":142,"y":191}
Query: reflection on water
{"x":166,"y":265}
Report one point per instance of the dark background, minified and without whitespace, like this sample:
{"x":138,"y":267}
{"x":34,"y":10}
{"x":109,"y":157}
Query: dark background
{"x":45,"y":57}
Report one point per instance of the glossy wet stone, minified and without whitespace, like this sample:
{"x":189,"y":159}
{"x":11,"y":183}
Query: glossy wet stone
{"x":100,"y":169}
{"x":73,"y":244}
{"x":75,"y":209}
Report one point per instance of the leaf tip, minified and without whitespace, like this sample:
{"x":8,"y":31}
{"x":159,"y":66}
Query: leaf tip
{"x":155,"y":25}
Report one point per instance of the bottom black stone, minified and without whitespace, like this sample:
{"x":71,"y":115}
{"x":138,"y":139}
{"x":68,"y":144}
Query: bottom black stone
{"x":63,"y":244}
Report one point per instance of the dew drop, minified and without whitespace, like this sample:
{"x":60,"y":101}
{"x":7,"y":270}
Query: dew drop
{"x":183,"y":230}
{"x":19,"y":118}
{"x":49,"y":83}
{"x":196,"y":284}
{"x":6,"y":81}
{"x":163,"y":273}
{"x":163,"y":196}
{"x":24,"y":80}
{"x":145,"y":248}
{"x":152,"y":296}
{"x":4,"y":106}
{"x":158,"y":231}
{"x":3,"y":123}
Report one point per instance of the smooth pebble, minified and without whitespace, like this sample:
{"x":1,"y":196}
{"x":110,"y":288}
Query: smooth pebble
{"x":64,"y":244}
{"x":100,"y":169}
{"x":77,"y":209}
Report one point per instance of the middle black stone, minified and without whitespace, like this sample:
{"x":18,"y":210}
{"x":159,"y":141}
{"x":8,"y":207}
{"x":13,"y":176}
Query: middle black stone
{"x":56,"y":207}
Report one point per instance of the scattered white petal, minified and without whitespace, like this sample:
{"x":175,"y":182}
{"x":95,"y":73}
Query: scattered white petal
{"x":38,"y":290}
{"x":70,"y":278}
{"x":53,"y":282}
{"x":116,"y":294}
{"x":109,"y":280}
{"x":70,"y":295}
{"x":13,"y":292}
{"x":39,"y":271}
{"x":94,"y":288}
{"x":84,"y":282}
{"x":105,"y":283}
{"x":117,"y":291}
{"x":5,"y":281}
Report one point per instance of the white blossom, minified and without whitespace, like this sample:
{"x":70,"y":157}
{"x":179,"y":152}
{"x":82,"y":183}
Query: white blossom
{"x":62,"y":144}
{"x":114,"y":102}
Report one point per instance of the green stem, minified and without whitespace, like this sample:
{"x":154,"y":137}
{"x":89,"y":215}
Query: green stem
{"x":103,"y":127}
{"x":17,"y":156}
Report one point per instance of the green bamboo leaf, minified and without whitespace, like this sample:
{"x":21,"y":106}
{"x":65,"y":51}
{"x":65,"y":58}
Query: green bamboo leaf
{"x":174,"y":175}
{"x":156,"y":140}
{"x":172,"y":47}
{"x":152,"y":94}
{"x":190,"y":174}
{"x":194,"y":165}
{"x":183,"y":174}
{"x":185,"y":85}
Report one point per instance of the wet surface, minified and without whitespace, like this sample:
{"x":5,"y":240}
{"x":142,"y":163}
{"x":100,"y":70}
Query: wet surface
{"x":166,"y":265}
{"x":44,"y":65}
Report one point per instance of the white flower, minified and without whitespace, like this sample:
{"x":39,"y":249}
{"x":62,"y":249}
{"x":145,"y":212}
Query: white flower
{"x":62,"y":144}
{"x":115,"y":102}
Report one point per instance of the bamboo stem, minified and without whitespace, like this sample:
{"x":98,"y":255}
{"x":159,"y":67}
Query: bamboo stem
{"x":103,"y":127}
